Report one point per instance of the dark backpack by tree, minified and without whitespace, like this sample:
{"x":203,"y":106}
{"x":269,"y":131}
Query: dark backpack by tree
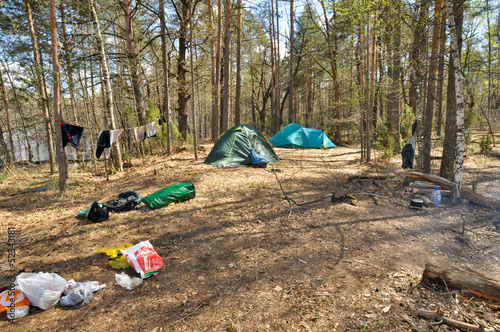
{"x":125,"y":202}
{"x":96,"y":213}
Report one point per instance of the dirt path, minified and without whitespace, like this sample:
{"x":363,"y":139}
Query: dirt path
{"x":238,"y":259}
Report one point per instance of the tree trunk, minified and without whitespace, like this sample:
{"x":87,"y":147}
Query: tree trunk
{"x":191,"y":52}
{"x":107,"y":83}
{"x":278,"y":73}
{"x":5,"y":149}
{"x":291,"y":109}
{"x":431,"y":88}
{"x":450,"y":136}
{"x":227,"y":65}
{"x":133,"y":61}
{"x":67,"y":58}
{"x":61,"y":154}
{"x":331,"y":42}
{"x":237,"y":101}
{"x":9,"y":128}
{"x":253,"y":98}
{"x":394,"y":69}
{"x":218,"y":68}
{"x":166,"y":100}
{"x":181,"y":69}
{"x":215,"y":68}
{"x":21,"y":114}
{"x":41,"y":90}
{"x":456,"y":190}
{"x":440,"y":79}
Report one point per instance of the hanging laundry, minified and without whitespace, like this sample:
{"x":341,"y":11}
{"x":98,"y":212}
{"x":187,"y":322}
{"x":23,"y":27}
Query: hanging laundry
{"x":139,"y":134}
{"x":408,"y":152}
{"x":105,"y":141}
{"x":71,"y":134}
{"x":151,"y":129}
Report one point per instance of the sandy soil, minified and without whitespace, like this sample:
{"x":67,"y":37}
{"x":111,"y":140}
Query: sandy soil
{"x":240,"y":257}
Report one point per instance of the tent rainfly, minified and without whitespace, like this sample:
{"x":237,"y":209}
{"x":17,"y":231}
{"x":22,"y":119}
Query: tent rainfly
{"x":233,"y":148}
{"x":296,"y":136}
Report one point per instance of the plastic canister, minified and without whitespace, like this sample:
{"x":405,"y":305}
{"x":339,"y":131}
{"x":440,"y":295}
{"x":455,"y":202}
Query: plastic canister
{"x":436,"y":196}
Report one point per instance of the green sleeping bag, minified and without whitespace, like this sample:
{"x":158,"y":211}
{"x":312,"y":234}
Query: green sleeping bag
{"x":177,"y":193}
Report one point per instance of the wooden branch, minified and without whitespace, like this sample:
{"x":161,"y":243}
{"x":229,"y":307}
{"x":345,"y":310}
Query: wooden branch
{"x":438,"y":316}
{"x":447,"y":184}
{"x":380,"y":185}
{"x":486,"y":287}
{"x":372,"y":195}
{"x":373,"y":176}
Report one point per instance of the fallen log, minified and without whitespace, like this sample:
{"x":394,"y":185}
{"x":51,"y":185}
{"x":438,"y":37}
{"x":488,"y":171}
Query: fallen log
{"x":373,"y":176}
{"x":447,"y":184}
{"x":462,"y":278}
{"x":438,"y":316}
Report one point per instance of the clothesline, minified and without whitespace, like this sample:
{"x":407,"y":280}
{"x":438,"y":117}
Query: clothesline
{"x":72,"y":134}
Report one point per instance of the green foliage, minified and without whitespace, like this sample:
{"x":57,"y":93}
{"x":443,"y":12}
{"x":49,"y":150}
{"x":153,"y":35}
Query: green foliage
{"x":190,"y":139}
{"x":127,"y":158}
{"x":471,"y":118}
{"x":176,"y":135}
{"x":384,"y":141}
{"x":152,"y":112}
{"x":406,"y":120}
{"x":130,"y":114}
{"x":485,"y":144}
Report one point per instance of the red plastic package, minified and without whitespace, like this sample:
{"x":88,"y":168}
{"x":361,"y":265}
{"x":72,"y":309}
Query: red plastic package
{"x":144,"y":259}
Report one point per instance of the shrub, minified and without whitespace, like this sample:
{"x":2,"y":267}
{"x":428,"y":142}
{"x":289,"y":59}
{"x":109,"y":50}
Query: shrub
{"x":406,"y":120}
{"x":384,"y":141}
{"x":485,"y":144}
{"x":152,"y":112}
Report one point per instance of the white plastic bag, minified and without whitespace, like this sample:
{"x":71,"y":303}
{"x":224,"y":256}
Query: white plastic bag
{"x":43,"y":290}
{"x":76,"y":294}
{"x":144,"y":258}
{"x":125,"y":281}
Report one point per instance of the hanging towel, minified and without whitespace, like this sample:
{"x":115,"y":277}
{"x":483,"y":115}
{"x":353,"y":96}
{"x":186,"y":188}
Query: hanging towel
{"x":139,"y":134}
{"x":71,"y":134}
{"x":113,"y":135}
{"x":106,"y":139}
{"x":151,"y":129}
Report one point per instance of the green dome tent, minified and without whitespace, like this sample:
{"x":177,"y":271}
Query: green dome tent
{"x":296,"y":136}
{"x":233,"y":148}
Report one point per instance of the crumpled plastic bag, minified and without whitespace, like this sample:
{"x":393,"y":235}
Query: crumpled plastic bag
{"x":77,"y":294}
{"x":144,"y":258}
{"x":16,"y":309}
{"x":42,"y":289}
{"x":116,"y":260}
{"x":125,"y":281}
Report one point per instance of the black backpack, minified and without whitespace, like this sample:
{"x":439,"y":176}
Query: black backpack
{"x":96,"y":213}
{"x":125,"y":202}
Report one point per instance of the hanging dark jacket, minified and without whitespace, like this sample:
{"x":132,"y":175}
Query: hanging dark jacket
{"x":408,"y":152}
{"x":71,"y":134}
{"x":103,"y":142}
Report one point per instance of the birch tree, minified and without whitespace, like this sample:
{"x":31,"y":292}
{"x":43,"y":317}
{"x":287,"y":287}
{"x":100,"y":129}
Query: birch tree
{"x":107,"y":83}
{"x":61,"y":154}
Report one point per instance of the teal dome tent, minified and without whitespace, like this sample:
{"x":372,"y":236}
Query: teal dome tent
{"x":296,"y":136}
